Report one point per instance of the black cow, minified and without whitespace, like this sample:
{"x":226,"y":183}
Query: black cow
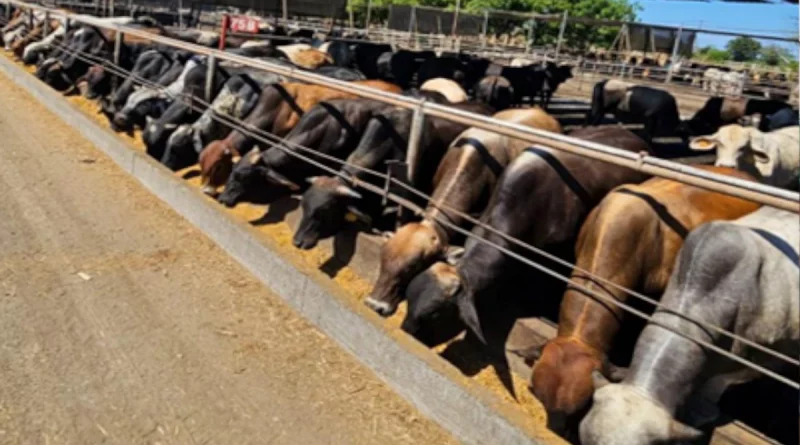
{"x":400,"y":67}
{"x":786,"y":117}
{"x":531,"y":81}
{"x":385,"y":139}
{"x":495,"y":91}
{"x":720,"y":111}
{"x":333,"y":127}
{"x":366,"y":58}
{"x":236,"y":100}
{"x":656,"y":109}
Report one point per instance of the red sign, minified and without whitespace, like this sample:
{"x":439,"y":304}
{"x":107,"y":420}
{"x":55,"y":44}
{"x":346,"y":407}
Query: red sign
{"x":243,"y":23}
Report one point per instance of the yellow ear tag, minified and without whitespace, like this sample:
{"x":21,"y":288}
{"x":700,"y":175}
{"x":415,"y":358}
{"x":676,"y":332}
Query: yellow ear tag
{"x":350,"y":217}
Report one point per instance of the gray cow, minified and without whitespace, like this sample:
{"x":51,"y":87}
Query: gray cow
{"x":774,"y":158}
{"x":741,"y":276}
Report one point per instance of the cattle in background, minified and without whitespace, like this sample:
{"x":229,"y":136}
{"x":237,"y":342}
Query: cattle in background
{"x":742,"y":275}
{"x":278,"y":110}
{"x":451,"y":91}
{"x":716,"y":81}
{"x":236,"y":100}
{"x":399,"y":67}
{"x":541,"y":199}
{"x":773,"y":157}
{"x":329,"y":199}
{"x":631,"y":240}
{"x":495,"y":91}
{"x":465,"y":70}
{"x":333,"y":127}
{"x":366,"y":57}
{"x":630,"y":103}
{"x":464,"y":180}
{"x":719,"y":111}
{"x":35,"y":51}
{"x":529,"y":82}
{"x":304,"y":56}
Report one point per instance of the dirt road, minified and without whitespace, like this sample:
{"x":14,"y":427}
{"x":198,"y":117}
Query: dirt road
{"x":122,"y":324}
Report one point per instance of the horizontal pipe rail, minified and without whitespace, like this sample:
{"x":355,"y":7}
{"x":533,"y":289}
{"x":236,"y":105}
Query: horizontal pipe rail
{"x":783,"y":199}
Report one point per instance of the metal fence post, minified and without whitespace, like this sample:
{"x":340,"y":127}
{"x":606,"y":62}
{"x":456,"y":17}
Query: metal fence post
{"x":210,"y":69}
{"x":286,"y":9}
{"x":111,"y":8}
{"x":369,"y":15}
{"x":485,"y":30}
{"x":46,"y":24}
{"x":414,"y":135}
{"x":117,"y":48}
{"x":561,"y":36}
{"x":455,"y":18}
{"x":675,"y":48}
{"x":180,"y":14}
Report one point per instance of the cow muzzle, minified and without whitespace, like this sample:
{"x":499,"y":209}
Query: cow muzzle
{"x":383,"y":308}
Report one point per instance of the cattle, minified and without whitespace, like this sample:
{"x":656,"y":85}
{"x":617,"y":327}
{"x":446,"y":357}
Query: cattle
{"x":656,"y":109}
{"x":495,"y":91}
{"x":304,"y":56}
{"x":236,"y":100}
{"x":786,"y":117}
{"x":151,"y":101}
{"x":326,"y":203}
{"x":278,"y":110}
{"x":531,"y":81}
{"x":463,"y":181}
{"x":742,"y":275}
{"x":719,"y":111}
{"x":36,"y":50}
{"x":447,"y":88}
{"x":18,"y":47}
{"x":366,"y":57}
{"x":631,"y":240}
{"x":541,"y":199}
{"x":399,"y":67}
{"x":149,"y":66}
{"x":332,"y":127}
{"x":716,"y":81}
{"x":773,"y":157}
{"x":464,"y":70}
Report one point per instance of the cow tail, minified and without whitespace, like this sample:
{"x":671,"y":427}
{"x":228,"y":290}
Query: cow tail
{"x":598,"y":104}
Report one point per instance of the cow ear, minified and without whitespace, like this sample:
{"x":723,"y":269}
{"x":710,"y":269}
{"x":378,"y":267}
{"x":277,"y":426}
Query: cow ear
{"x":343,"y":190}
{"x":312,"y":180}
{"x":703,"y":143}
{"x":469,"y":313}
{"x":277,"y":178}
{"x":679,"y":431}
{"x":757,"y":144}
{"x":599,"y":380}
{"x":354,"y":214}
{"x":254,"y":156}
{"x":453,"y":255}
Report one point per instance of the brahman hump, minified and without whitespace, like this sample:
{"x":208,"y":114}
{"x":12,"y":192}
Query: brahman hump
{"x":447,"y":88}
{"x":773,"y":157}
{"x":740,"y":275}
{"x":631,"y":240}
{"x":463,"y":182}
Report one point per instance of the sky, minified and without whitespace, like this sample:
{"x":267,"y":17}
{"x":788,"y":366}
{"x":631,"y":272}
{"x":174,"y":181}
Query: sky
{"x":770,"y":19}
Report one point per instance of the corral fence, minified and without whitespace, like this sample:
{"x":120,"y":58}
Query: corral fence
{"x":422,"y":109}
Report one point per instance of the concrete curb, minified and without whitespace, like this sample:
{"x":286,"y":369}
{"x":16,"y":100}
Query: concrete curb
{"x":471,"y":413}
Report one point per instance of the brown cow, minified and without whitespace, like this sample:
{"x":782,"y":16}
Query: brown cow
{"x":464,"y":181}
{"x":631,"y":239}
{"x":278,"y":109}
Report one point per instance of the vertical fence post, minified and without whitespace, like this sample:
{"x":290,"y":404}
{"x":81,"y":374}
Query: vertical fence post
{"x":285,"y":10}
{"x":111,"y":8}
{"x":529,"y":38}
{"x":674,"y":56}
{"x":454,"y":31}
{"x":210,"y":69}
{"x":117,"y":48}
{"x":369,"y":15}
{"x":485,"y":29}
{"x":413,"y":138}
{"x":223,"y":33}
{"x":46,"y":24}
{"x":561,"y":35}
{"x":180,"y":14}
{"x":8,"y":12}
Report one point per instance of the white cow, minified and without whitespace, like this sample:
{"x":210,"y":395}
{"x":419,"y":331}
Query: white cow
{"x":742,"y":275}
{"x":772,"y":157}
{"x":720,"y":82}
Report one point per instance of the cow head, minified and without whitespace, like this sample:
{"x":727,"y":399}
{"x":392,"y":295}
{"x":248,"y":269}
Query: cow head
{"x":738,"y":147}
{"x":179,"y":150}
{"x":431,"y":302}
{"x":562,"y":380}
{"x":216,"y":165}
{"x":326,"y":206}
{"x":248,"y":174}
{"x":98,"y":83}
{"x":413,"y":247}
{"x":621,"y":413}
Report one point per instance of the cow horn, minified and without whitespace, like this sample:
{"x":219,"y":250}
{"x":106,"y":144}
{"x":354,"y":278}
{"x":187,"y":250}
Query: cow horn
{"x":343,"y":190}
{"x":359,"y":215}
{"x":279,"y":179}
{"x":681,"y":431}
{"x":469,"y":313}
{"x":599,"y":380}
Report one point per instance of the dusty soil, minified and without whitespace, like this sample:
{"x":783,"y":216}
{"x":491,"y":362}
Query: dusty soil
{"x":121,"y":323}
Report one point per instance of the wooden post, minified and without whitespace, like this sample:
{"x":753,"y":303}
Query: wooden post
{"x":561,"y":36}
{"x":675,"y":48}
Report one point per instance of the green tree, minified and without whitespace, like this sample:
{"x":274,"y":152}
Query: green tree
{"x":774,"y":55}
{"x":743,"y":49}
{"x":711,"y":54}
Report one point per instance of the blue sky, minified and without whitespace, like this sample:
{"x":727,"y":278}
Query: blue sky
{"x":769,"y":19}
